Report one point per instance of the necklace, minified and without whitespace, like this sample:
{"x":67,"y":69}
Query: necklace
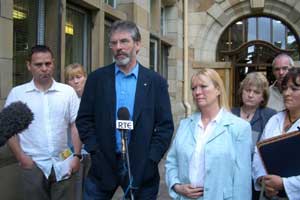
{"x":247,"y":115}
{"x":290,"y":122}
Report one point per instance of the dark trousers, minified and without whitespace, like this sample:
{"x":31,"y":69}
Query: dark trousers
{"x":80,"y":176}
{"x":93,"y":190}
{"x":37,"y":187}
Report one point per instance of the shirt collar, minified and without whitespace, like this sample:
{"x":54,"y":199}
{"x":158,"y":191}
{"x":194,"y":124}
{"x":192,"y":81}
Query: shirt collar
{"x":216,"y":119}
{"x":32,"y":87}
{"x":133,"y":72}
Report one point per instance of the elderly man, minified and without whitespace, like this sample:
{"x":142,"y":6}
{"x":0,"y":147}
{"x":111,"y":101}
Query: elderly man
{"x":281,"y":64}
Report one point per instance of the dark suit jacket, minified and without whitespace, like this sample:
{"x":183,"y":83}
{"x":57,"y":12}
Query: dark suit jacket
{"x":152,"y":118}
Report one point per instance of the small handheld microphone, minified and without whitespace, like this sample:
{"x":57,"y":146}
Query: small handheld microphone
{"x":14,"y":118}
{"x":123,"y":124}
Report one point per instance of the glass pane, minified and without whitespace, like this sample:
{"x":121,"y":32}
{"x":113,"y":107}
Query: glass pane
{"x":264,"y":26}
{"x":153,"y":56}
{"x":24,"y":30}
{"x":224,"y":41}
{"x":74,"y":30}
{"x":292,"y":44}
{"x":251,"y":29}
{"x":237,"y":34}
{"x":108,"y":57}
{"x":163,"y":70}
{"x":250,"y":54}
{"x":278,"y":34}
{"x":110,"y":2}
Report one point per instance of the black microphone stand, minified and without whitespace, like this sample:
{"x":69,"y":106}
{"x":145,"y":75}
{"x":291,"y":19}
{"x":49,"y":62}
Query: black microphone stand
{"x":125,"y":157}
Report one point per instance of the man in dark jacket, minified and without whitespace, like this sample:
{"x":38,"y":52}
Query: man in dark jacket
{"x":125,"y":83}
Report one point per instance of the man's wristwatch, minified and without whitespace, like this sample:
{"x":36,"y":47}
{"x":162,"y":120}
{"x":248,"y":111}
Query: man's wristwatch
{"x":78,"y":155}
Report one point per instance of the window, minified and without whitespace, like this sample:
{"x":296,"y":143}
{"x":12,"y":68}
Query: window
{"x":153,"y":54}
{"x":279,"y":38}
{"x":163,"y":68}
{"x":159,"y":53}
{"x":112,"y":3}
{"x":77,"y":32}
{"x":25,"y":15}
{"x":250,"y":45}
{"x":264,"y":28}
{"x":267,"y":29}
{"x":251,"y":29}
{"x":237,"y":34}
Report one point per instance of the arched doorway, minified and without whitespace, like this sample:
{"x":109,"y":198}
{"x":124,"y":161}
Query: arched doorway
{"x":256,"y":55}
{"x":251,"y":44}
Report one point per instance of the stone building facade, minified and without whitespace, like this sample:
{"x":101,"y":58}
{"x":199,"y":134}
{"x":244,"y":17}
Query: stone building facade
{"x":178,"y":37}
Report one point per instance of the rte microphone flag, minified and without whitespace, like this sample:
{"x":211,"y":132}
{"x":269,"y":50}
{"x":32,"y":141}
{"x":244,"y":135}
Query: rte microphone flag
{"x":123,"y":122}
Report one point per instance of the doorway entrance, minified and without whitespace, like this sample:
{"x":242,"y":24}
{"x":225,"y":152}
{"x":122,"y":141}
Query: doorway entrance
{"x":252,"y":56}
{"x":250,"y":44}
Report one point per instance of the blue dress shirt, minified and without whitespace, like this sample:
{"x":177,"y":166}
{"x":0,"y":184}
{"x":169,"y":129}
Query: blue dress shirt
{"x":125,"y":94}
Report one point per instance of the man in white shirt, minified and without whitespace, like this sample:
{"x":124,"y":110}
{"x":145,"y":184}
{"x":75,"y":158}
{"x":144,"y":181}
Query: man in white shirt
{"x":42,"y":149}
{"x":281,"y":64}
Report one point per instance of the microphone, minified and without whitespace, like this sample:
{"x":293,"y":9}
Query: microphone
{"x":123,"y":124}
{"x":14,"y":118}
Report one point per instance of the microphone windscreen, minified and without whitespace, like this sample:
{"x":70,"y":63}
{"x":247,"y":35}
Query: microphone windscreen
{"x":123,"y":113}
{"x":14,"y":119}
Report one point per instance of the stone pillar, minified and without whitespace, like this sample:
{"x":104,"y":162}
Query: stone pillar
{"x":6,"y":50}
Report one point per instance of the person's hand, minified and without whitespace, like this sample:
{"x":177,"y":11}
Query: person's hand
{"x":273,"y":184}
{"x":26,"y":162}
{"x":188,"y":191}
{"x":74,"y":165}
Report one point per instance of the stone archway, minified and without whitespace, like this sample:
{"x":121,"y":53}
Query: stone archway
{"x":205,"y":33}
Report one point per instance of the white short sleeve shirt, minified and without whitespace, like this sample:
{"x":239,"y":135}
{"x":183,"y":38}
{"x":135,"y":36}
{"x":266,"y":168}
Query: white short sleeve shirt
{"x":54,"y":110}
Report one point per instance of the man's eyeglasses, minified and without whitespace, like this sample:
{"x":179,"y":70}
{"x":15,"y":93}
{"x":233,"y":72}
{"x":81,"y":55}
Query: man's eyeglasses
{"x":122,"y":43}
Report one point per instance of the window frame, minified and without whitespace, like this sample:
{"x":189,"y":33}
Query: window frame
{"x":87,"y":31}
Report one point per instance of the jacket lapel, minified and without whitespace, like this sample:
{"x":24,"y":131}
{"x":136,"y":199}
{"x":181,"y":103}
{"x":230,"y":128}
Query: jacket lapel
{"x":142,"y":87}
{"x":111,"y":92}
{"x":221,"y":126}
{"x":194,"y":122}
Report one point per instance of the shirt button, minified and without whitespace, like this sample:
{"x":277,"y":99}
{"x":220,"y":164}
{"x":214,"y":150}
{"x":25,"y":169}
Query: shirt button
{"x":206,"y":189}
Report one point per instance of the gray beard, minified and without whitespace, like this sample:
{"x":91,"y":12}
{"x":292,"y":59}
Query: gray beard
{"x":123,"y":62}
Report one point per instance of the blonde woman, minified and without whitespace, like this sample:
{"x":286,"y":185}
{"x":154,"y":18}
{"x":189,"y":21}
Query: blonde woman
{"x":75,"y":76}
{"x":210,"y":157}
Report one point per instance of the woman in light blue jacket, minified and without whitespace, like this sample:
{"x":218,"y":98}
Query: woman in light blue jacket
{"x":210,"y":157}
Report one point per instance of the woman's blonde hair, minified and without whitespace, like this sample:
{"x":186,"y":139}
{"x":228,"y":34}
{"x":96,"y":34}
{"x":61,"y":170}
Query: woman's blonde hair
{"x":217,"y":82}
{"x":259,"y":81}
{"x":73,"y":70}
